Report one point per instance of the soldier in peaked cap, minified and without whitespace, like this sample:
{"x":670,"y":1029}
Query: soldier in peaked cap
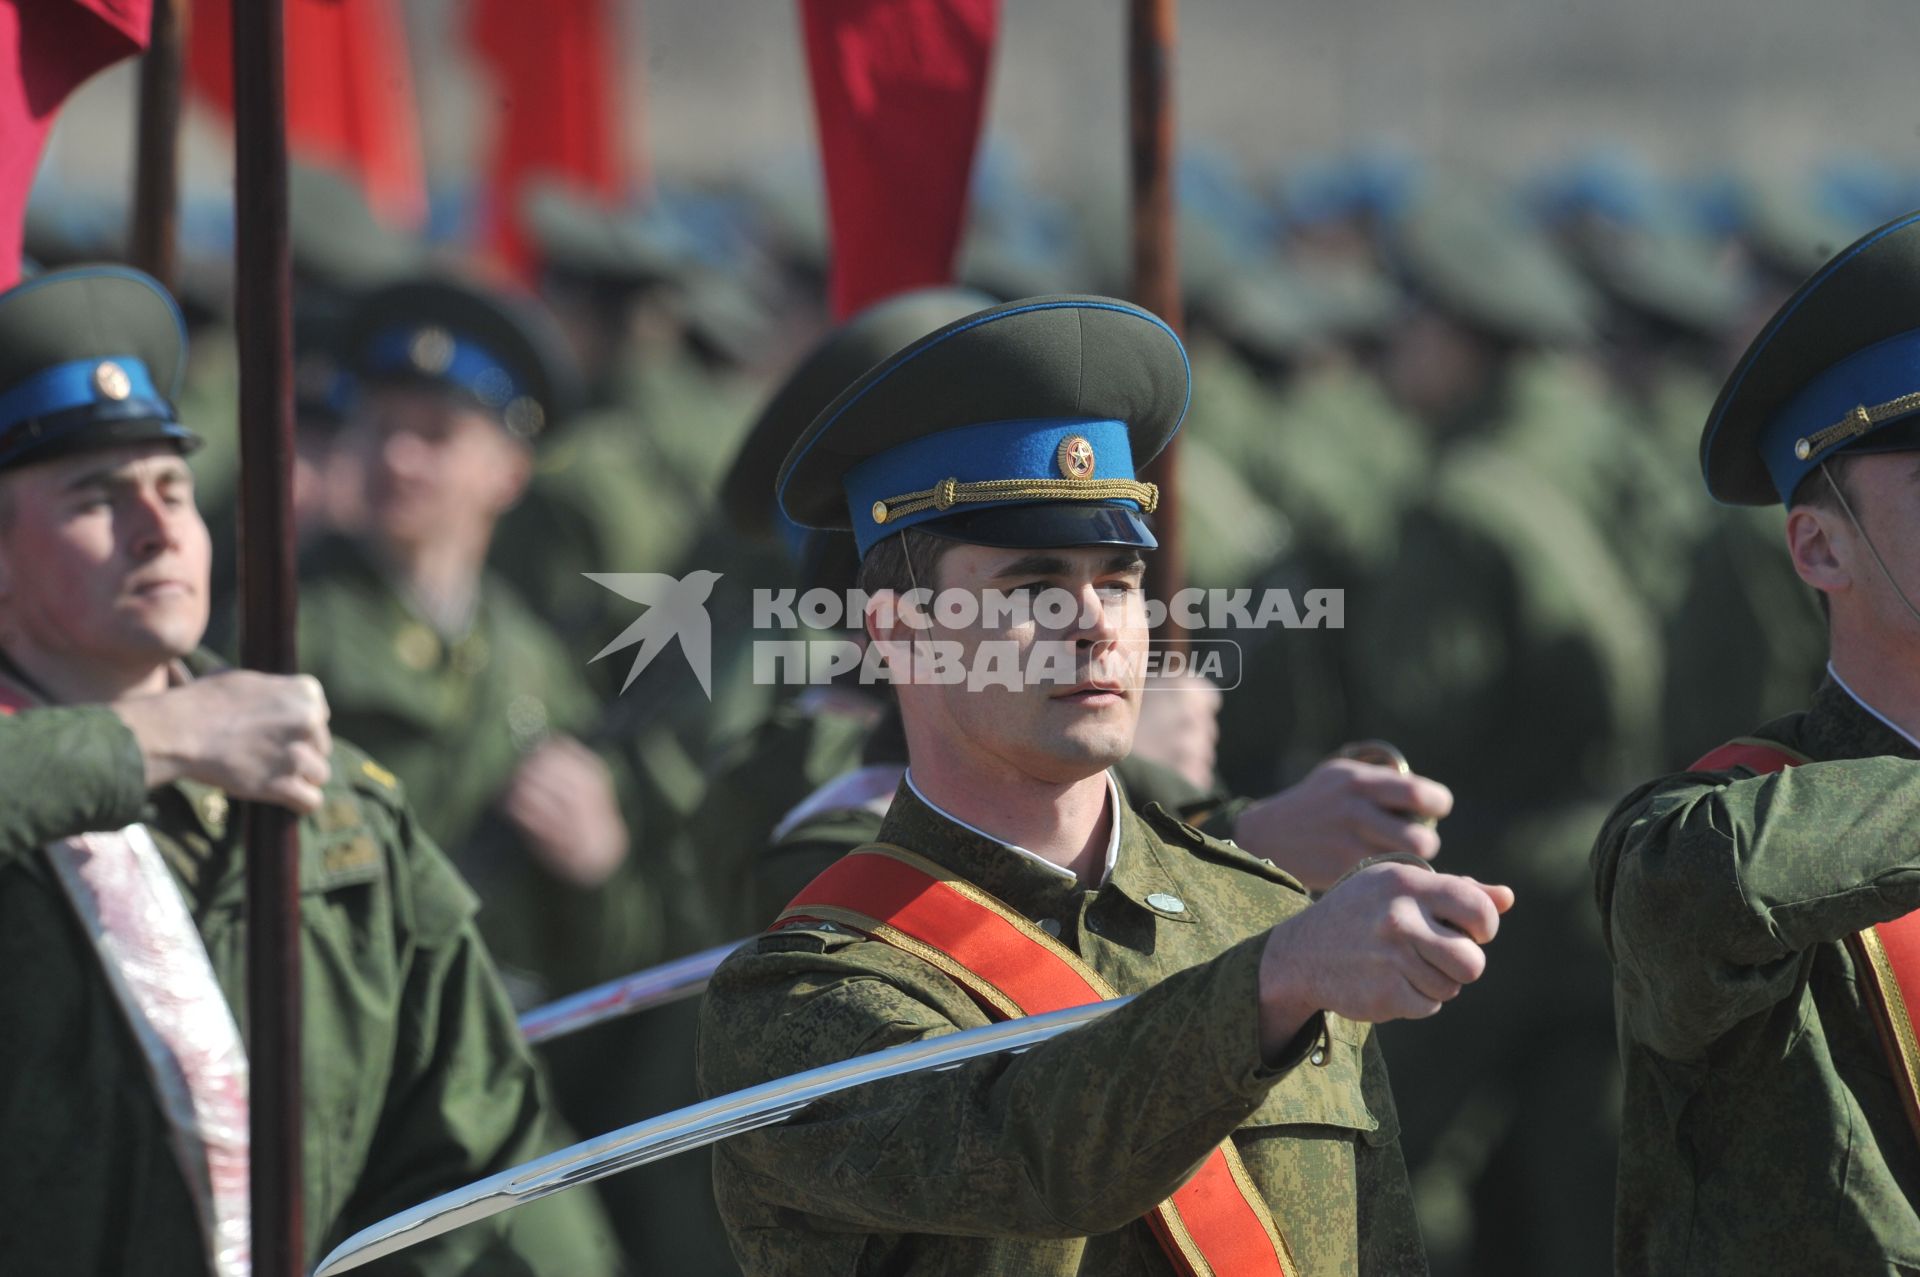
{"x":1759,"y":907}
{"x":472,"y":701}
{"x":834,"y":752}
{"x":1238,"y":1108}
{"x":122,"y":881}
{"x":846,"y":744}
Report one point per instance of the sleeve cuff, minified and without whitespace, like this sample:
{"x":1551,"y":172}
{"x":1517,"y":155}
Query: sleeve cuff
{"x":121,"y":794}
{"x":1243,"y":1067}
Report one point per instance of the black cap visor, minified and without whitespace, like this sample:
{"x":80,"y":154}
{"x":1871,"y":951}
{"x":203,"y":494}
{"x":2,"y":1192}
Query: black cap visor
{"x":1046,"y":525}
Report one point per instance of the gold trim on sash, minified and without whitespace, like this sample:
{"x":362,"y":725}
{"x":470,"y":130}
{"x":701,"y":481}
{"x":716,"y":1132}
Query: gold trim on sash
{"x":1238,"y":1169}
{"x":1189,"y":1249}
{"x":1894,"y":1004}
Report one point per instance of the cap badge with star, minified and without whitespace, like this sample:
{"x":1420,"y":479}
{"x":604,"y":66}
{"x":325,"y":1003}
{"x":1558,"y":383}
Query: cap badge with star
{"x":1075,"y":458}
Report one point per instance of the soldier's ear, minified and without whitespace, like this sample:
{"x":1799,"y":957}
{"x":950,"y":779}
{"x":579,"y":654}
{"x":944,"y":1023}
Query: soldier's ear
{"x":1823,"y":547}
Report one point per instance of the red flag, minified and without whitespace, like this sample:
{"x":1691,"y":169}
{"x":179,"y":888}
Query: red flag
{"x":559,"y":116}
{"x":899,"y":87}
{"x":47,"y":49}
{"x":350,"y":102}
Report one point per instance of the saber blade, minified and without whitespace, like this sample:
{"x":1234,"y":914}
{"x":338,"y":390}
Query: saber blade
{"x":694,"y":1127}
{"x":655,"y":987}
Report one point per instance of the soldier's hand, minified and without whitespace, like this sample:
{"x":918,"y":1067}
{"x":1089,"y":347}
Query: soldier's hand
{"x":258,"y":737}
{"x":561,"y":798}
{"x":1342,"y":812}
{"x":1395,"y":941}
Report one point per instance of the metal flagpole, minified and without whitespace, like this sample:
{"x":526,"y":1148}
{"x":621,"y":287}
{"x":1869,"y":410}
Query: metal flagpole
{"x":262,"y":290}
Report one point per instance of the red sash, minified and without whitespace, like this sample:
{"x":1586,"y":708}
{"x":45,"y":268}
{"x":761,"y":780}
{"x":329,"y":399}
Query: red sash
{"x":1214,"y":1225}
{"x":1888,"y":955}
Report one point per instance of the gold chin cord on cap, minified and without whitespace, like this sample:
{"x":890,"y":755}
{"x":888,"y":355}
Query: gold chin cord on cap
{"x":951,"y":492}
{"x":1856,"y":423}
{"x":1878,"y":562}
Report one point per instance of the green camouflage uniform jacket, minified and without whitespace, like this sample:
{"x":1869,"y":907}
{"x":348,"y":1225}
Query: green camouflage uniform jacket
{"x":415,"y":1077}
{"x":453,"y":720}
{"x":1044,"y":1163}
{"x":1762,"y":1131}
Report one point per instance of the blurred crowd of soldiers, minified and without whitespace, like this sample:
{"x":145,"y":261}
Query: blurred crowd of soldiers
{"x":1472,"y":406}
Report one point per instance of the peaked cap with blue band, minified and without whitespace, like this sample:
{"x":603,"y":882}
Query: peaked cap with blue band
{"x":503,"y":353}
{"x":866,"y":338}
{"x":1021,"y":425}
{"x":1836,"y":371}
{"x":90,"y":358}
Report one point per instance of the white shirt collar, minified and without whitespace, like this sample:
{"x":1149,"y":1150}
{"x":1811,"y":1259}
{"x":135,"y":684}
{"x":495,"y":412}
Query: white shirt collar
{"x":1892,"y":726}
{"x":1113,"y":832}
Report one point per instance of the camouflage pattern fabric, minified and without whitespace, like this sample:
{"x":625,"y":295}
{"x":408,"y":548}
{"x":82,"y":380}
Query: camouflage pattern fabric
{"x":1044,"y":1163}
{"x":416,"y":1080}
{"x":1761,"y":1130}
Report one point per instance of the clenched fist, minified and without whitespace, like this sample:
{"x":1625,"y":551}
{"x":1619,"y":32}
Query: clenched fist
{"x":1342,"y":812}
{"x":1394,"y":941}
{"x":259,"y":737}
{"x":561,"y":798}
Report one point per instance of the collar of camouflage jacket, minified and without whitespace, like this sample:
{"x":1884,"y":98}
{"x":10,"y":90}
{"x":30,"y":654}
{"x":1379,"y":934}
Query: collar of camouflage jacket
{"x":1141,"y":872}
{"x":1839,"y":725}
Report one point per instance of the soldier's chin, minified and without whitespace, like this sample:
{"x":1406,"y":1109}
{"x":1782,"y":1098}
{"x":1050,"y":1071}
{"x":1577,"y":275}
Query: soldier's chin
{"x":401,"y":522}
{"x":1089,"y":748}
{"x":170,"y":638}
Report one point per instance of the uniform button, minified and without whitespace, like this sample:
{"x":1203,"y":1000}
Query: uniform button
{"x":417,"y":647}
{"x":1165,"y":903}
{"x":1051,"y":926}
{"x":1093,"y":924}
{"x":1319,"y":1055}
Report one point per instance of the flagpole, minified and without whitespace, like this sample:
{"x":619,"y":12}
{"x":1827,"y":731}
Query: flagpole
{"x":151,"y":240}
{"x":1151,"y":29}
{"x":262,"y":289}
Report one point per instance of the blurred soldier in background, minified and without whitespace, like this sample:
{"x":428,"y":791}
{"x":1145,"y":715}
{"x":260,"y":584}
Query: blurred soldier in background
{"x":1509,"y":648}
{"x":476,"y":703}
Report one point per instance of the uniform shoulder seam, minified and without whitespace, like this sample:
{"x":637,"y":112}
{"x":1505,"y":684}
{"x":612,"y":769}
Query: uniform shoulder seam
{"x":1228,"y":853}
